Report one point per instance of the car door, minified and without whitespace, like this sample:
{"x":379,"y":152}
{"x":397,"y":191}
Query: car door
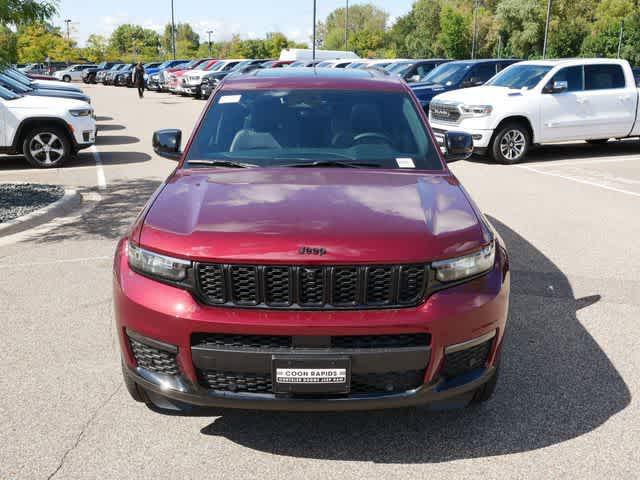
{"x":609,"y":101}
{"x":479,"y":74}
{"x":563,"y":115}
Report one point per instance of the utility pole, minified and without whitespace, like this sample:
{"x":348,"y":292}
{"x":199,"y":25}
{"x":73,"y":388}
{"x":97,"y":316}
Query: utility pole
{"x":68,"y":21}
{"x":475,"y":29}
{"x":209,"y":32}
{"x":620,"y":39}
{"x":546,"y":30}
{"x":314,"y":31}
{"x":173,"y":32}
{"x":346,"y":28}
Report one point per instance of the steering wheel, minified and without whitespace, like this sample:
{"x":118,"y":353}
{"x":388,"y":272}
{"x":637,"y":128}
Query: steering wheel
{"x":363,"y":137}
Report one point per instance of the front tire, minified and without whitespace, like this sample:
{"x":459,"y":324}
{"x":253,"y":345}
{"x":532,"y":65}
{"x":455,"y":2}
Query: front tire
{"x":510,"y":143}
{"x":47,"y":147}
{"x":66,"y":78}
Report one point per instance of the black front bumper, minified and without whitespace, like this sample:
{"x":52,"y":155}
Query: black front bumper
{"x":181,"y":390}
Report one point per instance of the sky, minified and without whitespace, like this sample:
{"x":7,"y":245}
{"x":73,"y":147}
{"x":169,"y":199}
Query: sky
{"x":248,"y":18}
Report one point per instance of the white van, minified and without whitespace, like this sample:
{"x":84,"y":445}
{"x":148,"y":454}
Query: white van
{"x":295,"y":54}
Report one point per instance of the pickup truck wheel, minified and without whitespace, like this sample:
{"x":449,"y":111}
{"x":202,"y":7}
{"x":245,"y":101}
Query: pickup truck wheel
{"x":47,"y":147}
{"x":510,"y":144}
{"x":598,"y":141}
{"x":66,"y":78}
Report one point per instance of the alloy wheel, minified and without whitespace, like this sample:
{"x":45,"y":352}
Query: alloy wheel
{"x":46,"y":148}
{"x":512,"y":144}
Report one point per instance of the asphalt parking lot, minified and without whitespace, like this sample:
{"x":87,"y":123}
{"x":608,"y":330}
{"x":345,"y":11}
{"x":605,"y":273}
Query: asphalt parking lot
{"x":566,"y":405}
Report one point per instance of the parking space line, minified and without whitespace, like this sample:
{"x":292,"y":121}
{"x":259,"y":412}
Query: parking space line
{"x":561,"y":163}
{"x":102,"y":179}
{"x":580,"y":180}
{"x":55,"y":262}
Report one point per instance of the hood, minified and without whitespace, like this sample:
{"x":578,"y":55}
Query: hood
{"x":425,"y":92}
{"x":54,"y":85}
{"x":266,"y":214}
{"x":50,"y":105}
{"x":484,"y":94}
{"x":41,"y":92}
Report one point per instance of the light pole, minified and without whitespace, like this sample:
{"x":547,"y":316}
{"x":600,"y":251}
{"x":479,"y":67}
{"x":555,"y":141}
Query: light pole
{"x":546,"y":30}
{"x":346,"y":27}
{"x":67,"y":21}
{"x":209,"y":32}
{"x":173,"y":32}
{"x":475,"y":29}
{"x":620,"y":39}
{"x":314,"y":32}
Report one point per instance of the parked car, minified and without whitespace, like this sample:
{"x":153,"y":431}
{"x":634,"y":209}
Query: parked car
{"x":110,"y":77}
{"x":543,"y":101}
{"x":213,"y":79}
{"x":413,"y":71}
{"x":123,"y":77}
{"x":339,"y":63}
{"x":47,"y":131}
{"x":102,"y":74}
{"x":247,"y":283}
{"x":74,"y":72}
{"x":175,"y":84}
{"x":89,"y":75}
{"x":154,"y":76}
{"x":456,"y":75}
{"x":307,"y":54}
{"x":276,"y":63}
{"x":305,"y":63}
{"x":194,"y":79}
{"x":17,"y":87}
{"x":37,"y":84}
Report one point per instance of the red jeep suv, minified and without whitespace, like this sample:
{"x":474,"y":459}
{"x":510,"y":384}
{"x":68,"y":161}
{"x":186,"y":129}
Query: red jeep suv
{"x":311,"y":251}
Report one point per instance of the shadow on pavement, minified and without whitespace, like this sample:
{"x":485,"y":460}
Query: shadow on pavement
{"x":116,"y":140}
{"x":556,"y":384}
{"x":110,"y":127}
{"x":103,"y":119}
{"x":573,"y":151}
{"x":121,"y":202}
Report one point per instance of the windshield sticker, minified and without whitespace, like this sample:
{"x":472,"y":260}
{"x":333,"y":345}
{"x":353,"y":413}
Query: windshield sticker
{"x":405,"y":163}
{"x":229,"y":99}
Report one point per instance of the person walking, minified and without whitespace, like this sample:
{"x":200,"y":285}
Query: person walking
{"x":138,"y":79}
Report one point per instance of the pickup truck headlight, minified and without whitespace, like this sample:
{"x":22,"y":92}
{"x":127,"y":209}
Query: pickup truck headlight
{"x":468,"y":266}
{"x":476,"y":110}
{"x":156,"y":265}
{"x":81,"y":112}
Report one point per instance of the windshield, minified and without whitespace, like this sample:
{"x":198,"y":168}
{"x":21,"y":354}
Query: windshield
{"x":397,"y":67}
{"x":14,"y":85}
{"x":520,"y":76}
{"x":270,"y":128}
{"x":18,"y":77}
{"x":7,"y":94}
{"x":448,"y":74}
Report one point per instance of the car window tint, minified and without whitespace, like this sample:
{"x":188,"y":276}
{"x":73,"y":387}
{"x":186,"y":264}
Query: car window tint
{"x":483,"y":72}
{"x":278,"y":127}
{"x":571,"y":75}
{"x":603,"y":77}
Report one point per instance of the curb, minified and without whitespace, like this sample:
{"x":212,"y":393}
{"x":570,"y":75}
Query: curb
{"x":70,"y":200}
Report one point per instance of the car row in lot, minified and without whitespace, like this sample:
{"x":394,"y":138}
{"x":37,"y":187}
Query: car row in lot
{"x":47,"y":121}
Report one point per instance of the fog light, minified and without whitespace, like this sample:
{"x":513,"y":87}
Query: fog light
{"x":476,"y":137}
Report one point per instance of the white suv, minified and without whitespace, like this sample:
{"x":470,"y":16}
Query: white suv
{"x":74,"y":72}
{"x":46,"y":130}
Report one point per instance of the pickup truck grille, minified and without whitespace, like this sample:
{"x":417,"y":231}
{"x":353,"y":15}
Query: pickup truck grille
{"x":444,"y":112}
{"x":311,"y":287}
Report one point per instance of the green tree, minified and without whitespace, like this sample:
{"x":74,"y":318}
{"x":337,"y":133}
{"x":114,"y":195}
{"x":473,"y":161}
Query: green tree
{"x":97,"y":48}
{"x":16,"y":12}
{"x":454,"y":34}
{"x":522,"y":25}
{"x":38,"y":41}
{"x":365,"y":17}
{"x":132,"y":42}
{"x":8,"y":45}
{"x":187,"y":40}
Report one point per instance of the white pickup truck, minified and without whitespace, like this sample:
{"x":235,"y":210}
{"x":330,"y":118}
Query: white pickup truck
{"x":542,"y":101}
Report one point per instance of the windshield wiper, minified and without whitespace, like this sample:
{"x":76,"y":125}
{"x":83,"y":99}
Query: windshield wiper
{"x":332,"y":163}
{"x":221,"y":163}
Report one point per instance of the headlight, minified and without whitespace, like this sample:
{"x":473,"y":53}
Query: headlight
{"x":467,"y":266}
{"x":81,"y":112}
{"x":476,"y":110}
{"x":145,"y":76}
{"x":156,"y":265}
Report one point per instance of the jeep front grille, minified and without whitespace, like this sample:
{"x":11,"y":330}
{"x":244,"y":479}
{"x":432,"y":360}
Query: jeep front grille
{"x":313,"y":287}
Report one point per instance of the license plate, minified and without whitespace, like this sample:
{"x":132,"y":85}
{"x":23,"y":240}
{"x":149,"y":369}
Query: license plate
{"x":311,"y":375}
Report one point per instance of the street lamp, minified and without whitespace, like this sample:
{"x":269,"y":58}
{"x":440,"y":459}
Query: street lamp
{"x":173,"y":32}
{"x":314,"y":31}
{"x":346,"y":27}
{"x":209,"y":32}
{"x":546,"y":30}
{"x":67,"y":21}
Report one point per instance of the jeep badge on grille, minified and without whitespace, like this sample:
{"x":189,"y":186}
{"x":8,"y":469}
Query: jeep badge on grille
{"x":311,"y":251}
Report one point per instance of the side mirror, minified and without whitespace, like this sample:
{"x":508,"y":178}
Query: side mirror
{"x":472,"y":82}
{"x":458,"y":146}
{"x":558,"y":86}
{"x":166,"y":143}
